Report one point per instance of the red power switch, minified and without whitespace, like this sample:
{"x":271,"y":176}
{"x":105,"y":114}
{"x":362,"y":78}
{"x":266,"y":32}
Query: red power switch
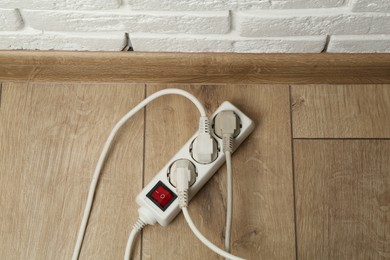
{"x":161,"y":195}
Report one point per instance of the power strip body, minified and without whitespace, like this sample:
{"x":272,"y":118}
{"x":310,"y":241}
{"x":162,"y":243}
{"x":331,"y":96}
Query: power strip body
{"x":161,"y":190}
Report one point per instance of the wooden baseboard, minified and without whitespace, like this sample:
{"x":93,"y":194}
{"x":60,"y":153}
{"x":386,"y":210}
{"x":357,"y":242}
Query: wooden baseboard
{"x":204,"y":68}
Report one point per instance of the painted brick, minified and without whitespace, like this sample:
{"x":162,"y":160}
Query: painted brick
{"x":221,"y":5}
{"x":304,"y":4}
{"x":285,"y":23}
{"x":10,"y":20}
{"x":380,"y":24}
{"x":151,"y":22}
{"x":288,"y":4}
{"x":28,"y":41}
{"x":182,"y":5}
{"x":61,"y":4}
{"x":371,"y":6}
{"x":359,"y":43}
{"x":309,"y":44}
{"x":166,"y":43}
{"x":216,"y":44}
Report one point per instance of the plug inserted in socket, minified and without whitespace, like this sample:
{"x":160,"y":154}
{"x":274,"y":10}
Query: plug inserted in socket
{"x":203,"y":171}
{"x":227,"y":122}
{"x":204,"y":149}
{"x":182,"y":166}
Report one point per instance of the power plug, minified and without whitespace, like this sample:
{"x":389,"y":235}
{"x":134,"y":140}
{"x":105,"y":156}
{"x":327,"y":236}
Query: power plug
{"x":226,"y":123}
{"x":179,"y":168}
{"x":158,"y":200}
{"x":204,"y":149}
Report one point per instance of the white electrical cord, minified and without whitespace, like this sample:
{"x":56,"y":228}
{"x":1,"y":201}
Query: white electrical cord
{"x":103,"y":155}
{"x":226,"y":125}
{"x":229,"y":200}
{"x":204,"y":240}
{"x":183,"y":178}
{"x":138,"y":226}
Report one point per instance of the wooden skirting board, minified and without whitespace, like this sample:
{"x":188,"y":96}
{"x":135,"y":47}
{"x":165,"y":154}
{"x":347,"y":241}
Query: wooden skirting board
{"x":204,"y":68}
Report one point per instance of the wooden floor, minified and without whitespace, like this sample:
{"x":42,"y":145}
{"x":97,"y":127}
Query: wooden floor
{"x":311,"y":182}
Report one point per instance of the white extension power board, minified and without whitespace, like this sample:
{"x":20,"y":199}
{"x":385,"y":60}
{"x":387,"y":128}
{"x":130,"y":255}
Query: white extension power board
{"x":159,"y":198}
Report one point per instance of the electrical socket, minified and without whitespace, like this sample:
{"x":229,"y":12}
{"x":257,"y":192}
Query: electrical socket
{"x":158,"y":200}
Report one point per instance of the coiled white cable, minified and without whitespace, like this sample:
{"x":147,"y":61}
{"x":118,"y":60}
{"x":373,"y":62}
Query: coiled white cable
{"x":107,"y":145}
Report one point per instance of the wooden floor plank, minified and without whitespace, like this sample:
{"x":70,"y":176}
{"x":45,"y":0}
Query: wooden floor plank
{"x":51,"y":136}
{"x":263,"y":224}
{"x":343,"y":199}
{"x":341,"y":111}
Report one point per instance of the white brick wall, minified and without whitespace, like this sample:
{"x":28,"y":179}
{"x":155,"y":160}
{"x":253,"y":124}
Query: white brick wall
{"x":206,"y":5}
{"x":68,"y":41}
{"x":371,"y":5}
{"x":218,"y":44}
{"x":96,"y":21}
{"x":61,"y":4}
{"x":258,"y":26}
{"x":310,"y":22}
{"x":361,"y":43}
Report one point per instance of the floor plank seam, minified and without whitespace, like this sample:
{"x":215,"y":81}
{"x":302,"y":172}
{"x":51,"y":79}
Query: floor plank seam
{"x":1,"y":91}
{"x":293,"y":173}
{"x":143,"y":169}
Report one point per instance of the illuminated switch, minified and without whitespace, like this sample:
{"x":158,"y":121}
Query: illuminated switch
{"x":161,"y":195}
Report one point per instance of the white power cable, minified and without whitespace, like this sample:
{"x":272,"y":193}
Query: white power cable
{"x":183,"y":178}
{"x":226,"y":125}
{"x":138,"y":226}
{"x":229,"y":203}
{"x":204,"y":240}
{"x":103,"y":155}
